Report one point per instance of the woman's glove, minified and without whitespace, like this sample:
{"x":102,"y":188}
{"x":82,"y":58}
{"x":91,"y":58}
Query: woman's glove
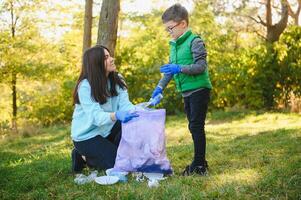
{"x":125,"y":116}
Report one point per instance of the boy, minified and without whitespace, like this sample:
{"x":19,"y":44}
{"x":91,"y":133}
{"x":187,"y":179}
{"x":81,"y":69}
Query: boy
{"x":188,"y":66}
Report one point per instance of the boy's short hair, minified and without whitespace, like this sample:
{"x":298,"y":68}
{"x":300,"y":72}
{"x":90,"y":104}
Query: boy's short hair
{"x":175,"y":13}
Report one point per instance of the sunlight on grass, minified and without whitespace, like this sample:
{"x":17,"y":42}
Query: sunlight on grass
{"x":176,"y":136}
{"x":251,"y":156}
{"x":242,"y":176}
{"x":253,"y":125}
{"x":21,"y":161}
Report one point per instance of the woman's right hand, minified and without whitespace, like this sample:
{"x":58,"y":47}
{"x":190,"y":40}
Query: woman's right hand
{"x":125,"y":116}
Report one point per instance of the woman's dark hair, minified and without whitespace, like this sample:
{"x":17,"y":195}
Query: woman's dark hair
{"x":94,"y":70}
{"x":175,"y":13}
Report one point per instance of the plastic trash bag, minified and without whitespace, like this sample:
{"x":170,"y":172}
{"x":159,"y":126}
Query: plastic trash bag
{"x":142,"y":144}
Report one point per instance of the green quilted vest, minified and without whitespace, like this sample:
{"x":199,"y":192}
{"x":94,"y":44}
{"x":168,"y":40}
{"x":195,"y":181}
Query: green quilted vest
{"x":180,"y":53}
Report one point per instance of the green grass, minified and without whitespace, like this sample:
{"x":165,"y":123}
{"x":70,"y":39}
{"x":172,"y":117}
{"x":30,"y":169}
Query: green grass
{"x":251,"y":156}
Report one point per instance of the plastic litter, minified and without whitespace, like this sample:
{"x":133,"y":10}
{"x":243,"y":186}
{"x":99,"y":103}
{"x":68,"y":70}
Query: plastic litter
{"x":81,"y":179}
{"x":106,"y":180}
{"x":138,"y":176}
{"x":145,"y":105}
{"x":153,"y":183}
{"x":154,"y":176}
{"x":156,"y":99}
{"x":121,"y":175}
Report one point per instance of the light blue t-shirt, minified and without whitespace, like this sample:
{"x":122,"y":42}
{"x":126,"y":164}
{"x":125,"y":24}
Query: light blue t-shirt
{"x":91,"y":118}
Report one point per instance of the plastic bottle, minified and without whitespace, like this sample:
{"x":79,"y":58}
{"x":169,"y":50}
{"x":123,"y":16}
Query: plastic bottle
{"x":156,"y":99}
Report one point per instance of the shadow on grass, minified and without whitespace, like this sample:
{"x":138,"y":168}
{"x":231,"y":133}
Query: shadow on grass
{"x":213,"y":118}
{"x":220,"y":117}
{"x":28,"y":164}
{"x":270,"y":158}
{"x":33,"y":179}
{"x":36,"y":142}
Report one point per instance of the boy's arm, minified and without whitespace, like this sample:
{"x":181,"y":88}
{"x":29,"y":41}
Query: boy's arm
{"x":164,"y":81}
{"x":162,"y":84}
{"x":199,"y":55}
{"x":160,"y":87}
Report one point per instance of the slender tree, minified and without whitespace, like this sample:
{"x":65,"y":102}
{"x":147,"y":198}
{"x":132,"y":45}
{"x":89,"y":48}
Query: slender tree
{"x":273,"y":31}
{"x":13,"y":20}
{"x":87,"y":25}
{"x":294,"y":15}
{"x":24,"y":52}
{"x":108,"y":24}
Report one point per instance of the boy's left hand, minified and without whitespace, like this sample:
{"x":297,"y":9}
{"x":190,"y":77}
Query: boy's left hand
{"x":170,"y":69}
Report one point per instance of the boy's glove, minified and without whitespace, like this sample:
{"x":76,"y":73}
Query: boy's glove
{"x":125,"y":116}
{"x":156,"y":100}
{"x":170,"y":69}
{"x":157,"y":91}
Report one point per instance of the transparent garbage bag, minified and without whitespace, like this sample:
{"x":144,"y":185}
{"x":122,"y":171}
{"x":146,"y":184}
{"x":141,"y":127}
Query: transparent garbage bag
{"x":142,"y":144}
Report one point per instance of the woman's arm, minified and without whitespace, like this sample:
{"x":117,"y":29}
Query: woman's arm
{"x":124,"y":103}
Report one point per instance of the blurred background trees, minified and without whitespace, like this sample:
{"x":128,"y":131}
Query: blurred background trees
{"x":254,"y":53}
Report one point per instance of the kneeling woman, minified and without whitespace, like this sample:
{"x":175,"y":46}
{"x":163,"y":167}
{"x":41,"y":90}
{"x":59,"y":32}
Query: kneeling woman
{"x":101,"y":103}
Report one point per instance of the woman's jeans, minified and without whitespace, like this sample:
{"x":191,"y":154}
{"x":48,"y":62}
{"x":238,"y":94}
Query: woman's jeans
{"x":99,"y":152}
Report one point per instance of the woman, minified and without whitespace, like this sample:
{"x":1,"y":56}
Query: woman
{"x":101,"y":103}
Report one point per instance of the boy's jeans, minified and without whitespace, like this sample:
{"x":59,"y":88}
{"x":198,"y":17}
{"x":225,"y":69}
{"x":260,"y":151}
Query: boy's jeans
{"x":196,"y":106}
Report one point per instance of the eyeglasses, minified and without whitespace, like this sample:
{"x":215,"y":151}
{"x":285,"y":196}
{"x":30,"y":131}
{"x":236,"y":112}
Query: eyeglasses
{"x":170,"y":29}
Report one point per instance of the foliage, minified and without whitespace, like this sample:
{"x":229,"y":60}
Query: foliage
{"x":141,"y":54}
{"x":288,"y":52}
{"x":140,"y":57}
{"x":260,"y":76}
{"x":48,"y":104}
{"x":244,"y":70}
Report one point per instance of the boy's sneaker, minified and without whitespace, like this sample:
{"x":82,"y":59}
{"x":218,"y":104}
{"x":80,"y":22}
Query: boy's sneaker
{"x":200,"y":170}
{"x":78,"y":162}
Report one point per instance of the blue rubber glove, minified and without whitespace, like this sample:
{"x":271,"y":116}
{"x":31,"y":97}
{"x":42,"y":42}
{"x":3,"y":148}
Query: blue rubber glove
{"x":125,"y":116}
{"x":157,"y":91}
{"x":156,"y":100}
{"x":170,"y":69}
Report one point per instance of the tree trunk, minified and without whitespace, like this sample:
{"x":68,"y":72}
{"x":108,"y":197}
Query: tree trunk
{"x":14,"y":101}
{"x":272,"y":35}
{"x":14,"y":73}
{"x":294,"y":15}
{"x":87,"y":25}
{"x":108,"y":24}
{"x":274,"y":31}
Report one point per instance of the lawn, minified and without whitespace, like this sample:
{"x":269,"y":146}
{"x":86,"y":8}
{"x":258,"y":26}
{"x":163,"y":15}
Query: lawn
{"x":251,"y":155}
